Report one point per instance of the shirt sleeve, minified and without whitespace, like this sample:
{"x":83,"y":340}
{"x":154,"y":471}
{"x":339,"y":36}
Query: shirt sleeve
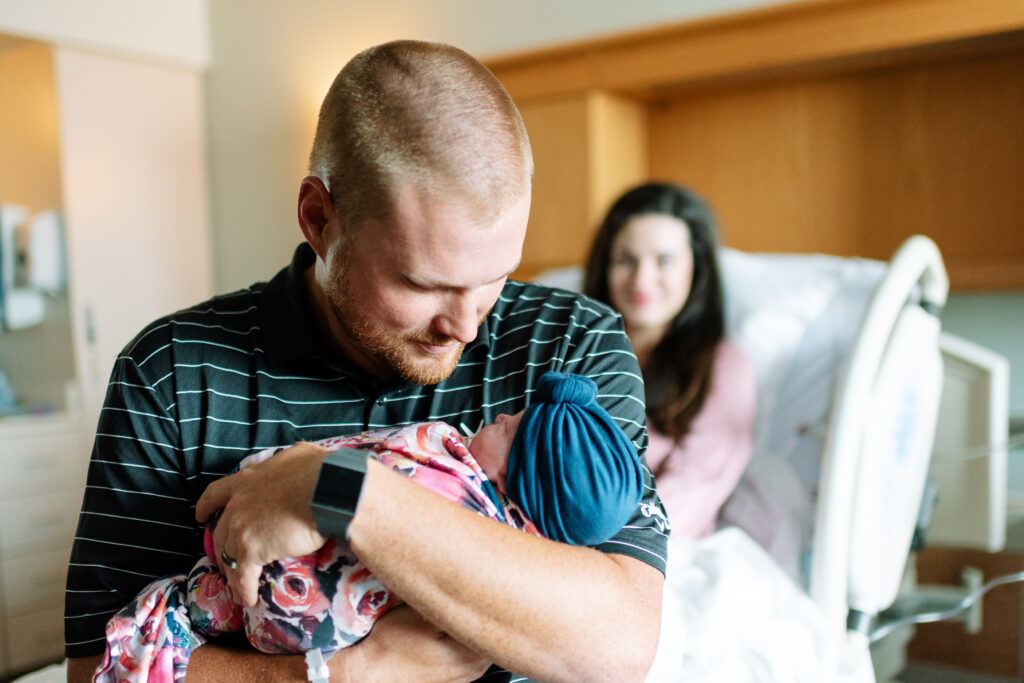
{"x":136,"y":521}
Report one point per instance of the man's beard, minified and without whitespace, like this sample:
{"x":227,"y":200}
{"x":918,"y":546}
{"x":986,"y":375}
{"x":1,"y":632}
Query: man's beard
{"x":387,"y":349}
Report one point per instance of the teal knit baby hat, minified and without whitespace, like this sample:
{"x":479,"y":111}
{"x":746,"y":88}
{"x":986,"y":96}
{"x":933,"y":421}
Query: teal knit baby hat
{"x":571,"y":468}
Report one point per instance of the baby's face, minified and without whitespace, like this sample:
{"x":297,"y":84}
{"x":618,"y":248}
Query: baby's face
{"x":491,"y":445}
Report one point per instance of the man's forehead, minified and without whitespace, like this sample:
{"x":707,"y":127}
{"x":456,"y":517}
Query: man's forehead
{"x":428,"y":205}
{"x":447,"y":242}
{"x":464,"y":263}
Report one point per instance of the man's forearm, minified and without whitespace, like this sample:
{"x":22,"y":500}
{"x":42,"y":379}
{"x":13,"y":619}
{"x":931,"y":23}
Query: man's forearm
{"x":213,"y":663}
{"x":542,"y":609}
{"x":401,"y":647}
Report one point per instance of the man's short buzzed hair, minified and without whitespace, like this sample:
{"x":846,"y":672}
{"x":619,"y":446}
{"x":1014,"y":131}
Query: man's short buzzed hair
{"x":426,"y":113}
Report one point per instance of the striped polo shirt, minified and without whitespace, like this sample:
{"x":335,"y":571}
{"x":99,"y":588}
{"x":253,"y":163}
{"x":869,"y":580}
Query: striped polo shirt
{"x":198,"y":390}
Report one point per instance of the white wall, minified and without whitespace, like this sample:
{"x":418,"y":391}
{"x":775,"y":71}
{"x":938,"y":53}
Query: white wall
{"x":135,"y":200}
{"x":272,"y":62}
{"x":172,"y":31}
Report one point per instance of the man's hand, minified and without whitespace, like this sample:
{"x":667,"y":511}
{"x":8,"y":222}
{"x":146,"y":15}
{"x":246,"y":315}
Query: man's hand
{"x":266,"y":514}
{"x":403,"y":646}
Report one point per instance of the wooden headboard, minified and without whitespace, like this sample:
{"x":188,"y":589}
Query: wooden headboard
{"x":837,"y":126}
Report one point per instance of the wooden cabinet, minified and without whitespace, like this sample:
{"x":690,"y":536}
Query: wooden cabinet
{"x":40,"y":496}
{"x":838,"y":126}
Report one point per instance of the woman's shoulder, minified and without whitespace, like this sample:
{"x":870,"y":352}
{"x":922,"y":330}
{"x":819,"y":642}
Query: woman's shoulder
{"x":732,"y":361}
{"x":733,"y":383}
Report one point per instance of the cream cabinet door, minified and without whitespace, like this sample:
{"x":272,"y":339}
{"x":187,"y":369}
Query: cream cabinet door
{"x":44,"y":461}
{"x":135,"y":200}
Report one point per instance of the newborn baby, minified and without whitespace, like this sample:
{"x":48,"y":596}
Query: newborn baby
{"x":561,"y":468}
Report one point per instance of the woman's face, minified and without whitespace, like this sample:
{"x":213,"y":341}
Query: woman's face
{"x":650,"y":270}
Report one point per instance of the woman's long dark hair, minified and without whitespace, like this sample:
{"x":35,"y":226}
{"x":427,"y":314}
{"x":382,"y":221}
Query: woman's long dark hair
{"x":677,"y":374}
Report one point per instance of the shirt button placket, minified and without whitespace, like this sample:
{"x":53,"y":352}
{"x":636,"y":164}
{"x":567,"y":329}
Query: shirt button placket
{"x":378,"y":413}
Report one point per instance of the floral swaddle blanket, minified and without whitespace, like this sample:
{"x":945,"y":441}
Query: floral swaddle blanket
{"x":325,"y":601}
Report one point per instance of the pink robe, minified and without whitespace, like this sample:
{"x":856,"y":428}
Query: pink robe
{"x":703,"y":471}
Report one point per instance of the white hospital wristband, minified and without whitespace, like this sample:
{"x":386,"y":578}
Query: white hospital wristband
{"x":316,"y":666}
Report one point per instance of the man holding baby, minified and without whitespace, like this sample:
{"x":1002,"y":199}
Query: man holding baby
{"x":397,"y":308}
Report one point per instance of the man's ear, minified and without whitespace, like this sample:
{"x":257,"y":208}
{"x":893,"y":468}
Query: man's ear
{"x":316,"y":215}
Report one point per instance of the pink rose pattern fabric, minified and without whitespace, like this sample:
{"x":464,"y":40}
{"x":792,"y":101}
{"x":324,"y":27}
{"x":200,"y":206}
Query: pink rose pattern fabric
{"x":326,"y":601}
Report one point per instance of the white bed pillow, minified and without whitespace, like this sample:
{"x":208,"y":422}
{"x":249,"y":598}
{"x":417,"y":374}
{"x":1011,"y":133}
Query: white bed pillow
{"x":796,"y":317}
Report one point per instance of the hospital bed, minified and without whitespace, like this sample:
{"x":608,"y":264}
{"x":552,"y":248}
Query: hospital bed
{"x":849,"y":364}
{"x":850,"y":360}
{"x":850,"y":372}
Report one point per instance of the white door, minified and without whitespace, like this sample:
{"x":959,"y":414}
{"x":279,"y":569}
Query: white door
{"x":134,"y":187}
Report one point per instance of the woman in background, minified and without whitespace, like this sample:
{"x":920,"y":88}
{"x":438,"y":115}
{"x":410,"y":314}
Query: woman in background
{"x":654,"y":261}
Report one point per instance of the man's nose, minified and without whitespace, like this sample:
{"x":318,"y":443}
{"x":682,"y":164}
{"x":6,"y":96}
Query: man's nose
{"x":460,"y":319}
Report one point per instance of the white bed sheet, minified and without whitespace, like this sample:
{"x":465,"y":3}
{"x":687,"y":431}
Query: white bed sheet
{"x":731,"y":614}
{"x":55,"y":673}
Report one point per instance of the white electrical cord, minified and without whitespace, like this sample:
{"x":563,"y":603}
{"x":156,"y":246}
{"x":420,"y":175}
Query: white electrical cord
{"x":927,"y":617}
{"x":941,"y":455}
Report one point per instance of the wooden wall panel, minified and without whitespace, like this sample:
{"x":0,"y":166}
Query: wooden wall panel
{"x":587,"y":149}
{"x":618,"y":151}
{"x":29,"y":145}
{"x":996,"y":649}
{"x":756,"y":155}
{"x":791,"y":37}
{"x":852,"y":164}
{"x":839,"y":126}
{"x":558,"y":134}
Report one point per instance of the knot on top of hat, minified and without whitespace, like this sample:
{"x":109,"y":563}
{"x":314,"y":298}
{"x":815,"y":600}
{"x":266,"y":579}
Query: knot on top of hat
{"x":565,"y":387}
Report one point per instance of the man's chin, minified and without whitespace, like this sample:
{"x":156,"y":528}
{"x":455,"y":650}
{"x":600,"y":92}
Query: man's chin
{"x":420,"y":368}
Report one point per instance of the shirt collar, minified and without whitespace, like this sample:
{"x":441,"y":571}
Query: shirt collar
{"x":286,"y":316}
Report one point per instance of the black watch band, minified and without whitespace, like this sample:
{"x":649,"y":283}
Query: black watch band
{"x":337,"y":491}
